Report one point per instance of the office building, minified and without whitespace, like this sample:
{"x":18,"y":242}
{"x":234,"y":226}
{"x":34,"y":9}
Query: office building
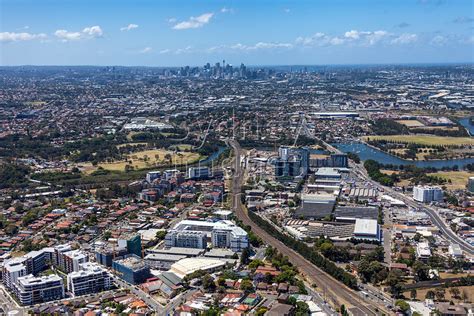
{"x":131,"y":269}
{"x":90,"y":278}
{"x":33,"y":290}
{"x":427,"y":194}
{"x":199,"y":172}
{"x":333,"y":161}
{"x":292,"y":163}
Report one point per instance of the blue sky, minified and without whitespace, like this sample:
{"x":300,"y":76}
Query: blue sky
{"x":257,"y":32}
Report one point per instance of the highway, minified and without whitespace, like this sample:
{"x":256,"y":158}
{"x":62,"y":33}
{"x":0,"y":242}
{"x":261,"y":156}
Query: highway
{"x":336,"y":291}
{"x":432,"y":213}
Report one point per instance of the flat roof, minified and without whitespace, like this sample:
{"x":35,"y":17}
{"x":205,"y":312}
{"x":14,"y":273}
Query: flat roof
{"x":366,"y":227}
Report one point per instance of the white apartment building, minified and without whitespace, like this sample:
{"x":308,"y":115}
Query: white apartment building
{"x":427,"y":194}
{"x":91,"y":278}
{"x":186,"y":239}
{"x":222,"y":234}
{"x":423,"y":251}
{"x":32,"y":290}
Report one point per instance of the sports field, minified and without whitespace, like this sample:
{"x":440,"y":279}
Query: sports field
{"x":428,"y":140}
{"x":411,"y":123}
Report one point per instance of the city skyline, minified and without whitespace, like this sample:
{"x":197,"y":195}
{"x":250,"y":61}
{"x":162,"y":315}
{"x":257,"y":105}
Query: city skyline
{"x":167,"y":34}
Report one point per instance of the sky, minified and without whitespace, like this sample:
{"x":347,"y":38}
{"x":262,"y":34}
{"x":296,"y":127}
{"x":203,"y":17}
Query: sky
{"x":255,"y":32}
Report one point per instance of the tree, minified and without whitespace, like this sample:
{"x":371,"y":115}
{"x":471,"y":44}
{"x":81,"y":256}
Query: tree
{"x":430,"y":295}
{"x":244,"y":257}
{"x":160,"y":235}
{"x":208,"y":283}
{"x":413,"y":294}
{"x":455,"y":292}
{"x":301,"y":308}
{"x":246,"y":286}
{"x":440,"y":294}
{"x":403,"y":306}
{"x":421,"y":271}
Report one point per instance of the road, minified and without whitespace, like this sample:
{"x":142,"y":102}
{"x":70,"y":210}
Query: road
{"x":7,"y":303}
{"x":337,"y":292}
{"x":432,"y":213}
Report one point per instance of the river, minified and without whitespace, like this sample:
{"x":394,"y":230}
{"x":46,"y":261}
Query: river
{"x":365,"y":152}
{"x":467,"y":124}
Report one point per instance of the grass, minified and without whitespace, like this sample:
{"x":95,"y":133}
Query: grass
{"x":411,"y":123}
{"x":428,"y":140}
{"x":458,"y":178}
{"x":146,"y":159}
{"x":468,"y":290}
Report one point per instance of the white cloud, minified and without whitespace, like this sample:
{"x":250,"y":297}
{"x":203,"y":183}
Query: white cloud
{"x":146,"y":50}
{"x":129,"y":27}
{"x":187,"y":49}
{"x":438,"y":40}
{"x":67,"y":36}
{"x":87,"y":33}
{"x":286,"y":10}
{"x":317,"y":39}
{"x":172,"y":20}
{"x":194,"y":22}
{"x":353,"y":34}
{"x":227,"y":10}
{"x":405,"y":38}
{"x":165,"y":51}
{"x":19,"y":37}
{"x":93,"y":31}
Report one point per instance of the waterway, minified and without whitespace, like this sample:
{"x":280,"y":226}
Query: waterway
{"x":366,"y":152}
{"x":467,"y":124}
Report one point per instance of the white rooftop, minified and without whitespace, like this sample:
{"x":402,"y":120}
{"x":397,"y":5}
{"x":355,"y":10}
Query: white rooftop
{"x":366,"y":227}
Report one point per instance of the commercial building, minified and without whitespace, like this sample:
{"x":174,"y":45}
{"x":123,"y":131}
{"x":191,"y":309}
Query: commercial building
{"x":455,"y":251}
{"x":91,"y":278}
{"x":222,"y":234}
{"x":33,"y":290}
{"x":187,"y":266}
{"x":199,"y":172}
{"x":367,"y":229}
{"x":423,"y":251}
{"x":350,"y":213}
{"x":427,"y":194}
{"x":162,"y":261}
{"x":316,"y":206}
{"x":131,"y":268}
{"x":292,"y":162}
{"x":327,"y":173}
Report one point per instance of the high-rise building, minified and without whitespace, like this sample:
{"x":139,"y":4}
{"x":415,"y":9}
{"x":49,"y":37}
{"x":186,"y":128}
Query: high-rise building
{"x":132,"y":242}
{"x":427,"y":194}
{"x":292,"y":162}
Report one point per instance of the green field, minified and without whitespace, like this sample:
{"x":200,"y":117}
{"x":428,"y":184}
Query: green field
{"x":458,"y":178}
{"x":428,"y":140}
